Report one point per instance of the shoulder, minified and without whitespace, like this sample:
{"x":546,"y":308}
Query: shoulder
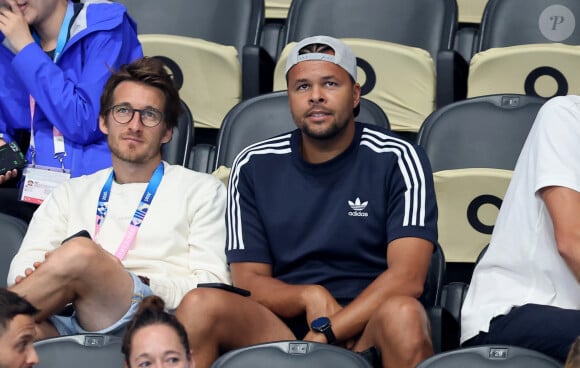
{"x":185,"y":179}
{"x":269,"y":148}
{"x":381,"y":141}
{"x":562,"y":112}
{"x":101,"y":15}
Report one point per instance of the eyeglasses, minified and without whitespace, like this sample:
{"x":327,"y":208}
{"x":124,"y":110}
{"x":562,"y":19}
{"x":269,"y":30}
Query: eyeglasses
{"x":149,"y":116}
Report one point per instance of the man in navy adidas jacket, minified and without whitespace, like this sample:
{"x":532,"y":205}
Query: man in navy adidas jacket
{"x":331,"y":227}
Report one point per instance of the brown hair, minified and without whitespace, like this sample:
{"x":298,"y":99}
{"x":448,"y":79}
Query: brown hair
{"x":152,"y":312}
{"x":152,"y":72}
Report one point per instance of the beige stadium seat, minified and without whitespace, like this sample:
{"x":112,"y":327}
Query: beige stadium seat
{"x":468,"y":202}
{"x":400,"y":79}
{"x":544,"y":70}
{"x":210,"y":81}
{"x":470,"y":11}
{"x":277,"y":9}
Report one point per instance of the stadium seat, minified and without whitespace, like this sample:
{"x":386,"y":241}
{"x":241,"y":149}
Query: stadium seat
{"x":12,"y":230}
{"x":544,"y":70}
{"x":287,"y":354}
{"x":490,"y":356}
{"x":471,"y":11}
{"x":86,"y":350}
{"x":422,"y":28}
{"x":212,"y":49}
{"x":178,"y":150}
{"x":266,"y":116}
{"x":520,"y":22}
{"x":528,"y":47}
{"x":404,"y":86}
{"x":473,"y":146}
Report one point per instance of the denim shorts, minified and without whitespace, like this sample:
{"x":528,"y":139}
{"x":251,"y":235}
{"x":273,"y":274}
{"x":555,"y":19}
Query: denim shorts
{"x":68,"y":325}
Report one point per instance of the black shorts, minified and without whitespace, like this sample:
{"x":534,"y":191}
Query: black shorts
{"x":543,"y":328}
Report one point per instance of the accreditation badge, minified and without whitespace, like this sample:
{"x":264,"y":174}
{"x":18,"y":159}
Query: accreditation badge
{"x":39,"y":181}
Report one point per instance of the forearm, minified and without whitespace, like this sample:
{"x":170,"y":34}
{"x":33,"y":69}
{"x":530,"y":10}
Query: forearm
{"x":283,"y":299}
{"x":352,"y":319}
{"x":570,"y":252}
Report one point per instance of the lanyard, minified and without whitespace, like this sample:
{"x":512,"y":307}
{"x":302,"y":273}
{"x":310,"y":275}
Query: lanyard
{"x":139,"y":214}
{"x":57,"y":137}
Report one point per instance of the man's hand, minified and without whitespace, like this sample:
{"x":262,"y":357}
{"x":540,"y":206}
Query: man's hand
{"x":30,"y":270}
{"x":14,"y":26}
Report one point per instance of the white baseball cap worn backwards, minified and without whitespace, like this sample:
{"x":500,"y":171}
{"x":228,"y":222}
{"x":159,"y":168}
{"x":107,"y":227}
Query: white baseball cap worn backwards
{"x":343,"y":55}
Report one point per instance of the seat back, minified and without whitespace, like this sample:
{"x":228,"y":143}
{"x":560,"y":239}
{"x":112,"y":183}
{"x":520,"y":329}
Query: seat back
{"x":397,"y":43}
{"x":86,"y":350}
{"x":404,"y":87}
{"x":468,"y":203}
{"x":178,"y":149}
{"x":268,"y":115}
{"x":544,"y":70}
{"x":425,"y":24}
{"x":473,"y":146}
{"x":207,"y":74}
{"x":470,"y":11}
{"x":287,"y":354}
{"x":518,"y":22}
{"x":484,"y":132}
{"x":277,"y":9}
{"x":13,"y":230}
{"x":202,"y":43}
{"x":233,"y":23}
{"x":490,"y":356}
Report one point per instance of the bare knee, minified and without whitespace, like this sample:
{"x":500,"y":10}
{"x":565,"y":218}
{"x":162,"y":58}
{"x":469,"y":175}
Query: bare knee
{"x":73,"y":258}
{"x":403,"y":317}
{"x":201,"y":309}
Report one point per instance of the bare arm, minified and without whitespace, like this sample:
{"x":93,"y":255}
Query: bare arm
{"x":281,"y":298}
{"x":564,"y":207}
{"x":408,"y":263}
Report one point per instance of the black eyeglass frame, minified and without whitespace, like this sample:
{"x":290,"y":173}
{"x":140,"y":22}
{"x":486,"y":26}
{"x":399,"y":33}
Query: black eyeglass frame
{"x":133,"y":110}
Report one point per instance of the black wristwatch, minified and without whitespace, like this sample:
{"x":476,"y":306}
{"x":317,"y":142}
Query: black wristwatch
{"x":322,"y":325}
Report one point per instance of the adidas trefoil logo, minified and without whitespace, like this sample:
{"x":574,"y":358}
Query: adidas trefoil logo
{"x":358,"y":207}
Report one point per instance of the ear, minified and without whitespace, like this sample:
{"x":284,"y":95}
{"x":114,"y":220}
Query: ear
{"x":167,"y":136}
{"x":103,"y":125}
{"x":356,"y":94}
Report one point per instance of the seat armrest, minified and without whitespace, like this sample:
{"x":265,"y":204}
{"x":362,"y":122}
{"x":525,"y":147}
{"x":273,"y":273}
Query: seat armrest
{"x":445,"y":330}
{"x":257,"y":71}
{"x":452,"y":70}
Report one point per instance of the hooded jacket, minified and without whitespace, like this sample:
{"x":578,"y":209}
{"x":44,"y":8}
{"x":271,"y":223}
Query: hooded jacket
{"x":102,"y":37}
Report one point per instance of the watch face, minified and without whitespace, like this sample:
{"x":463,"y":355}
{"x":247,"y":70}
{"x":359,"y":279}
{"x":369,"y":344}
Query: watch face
{"x":320,"y":323}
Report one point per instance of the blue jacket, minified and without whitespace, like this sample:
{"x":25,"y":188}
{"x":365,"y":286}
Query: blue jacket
{"x":102,"y":38}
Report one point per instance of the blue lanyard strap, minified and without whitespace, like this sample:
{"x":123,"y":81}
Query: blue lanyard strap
{"x":139,"y":214}
{"x":63,"y":33}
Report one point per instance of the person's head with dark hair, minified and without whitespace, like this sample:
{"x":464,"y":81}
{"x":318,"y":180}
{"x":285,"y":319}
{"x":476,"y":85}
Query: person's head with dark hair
{"x":151,"y":72}
{"x":323,"y":95}
{"x":327,"y":49}
{"x":155,"y":338}
{"x":139,"y":109}
{"x":17,"y":331}
{"x":573,"y":359}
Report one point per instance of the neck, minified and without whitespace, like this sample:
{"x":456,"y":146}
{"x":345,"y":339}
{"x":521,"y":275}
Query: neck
{"x":49,"y":28}
{"x":317,"y":151}
{"x":130,"y":172}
